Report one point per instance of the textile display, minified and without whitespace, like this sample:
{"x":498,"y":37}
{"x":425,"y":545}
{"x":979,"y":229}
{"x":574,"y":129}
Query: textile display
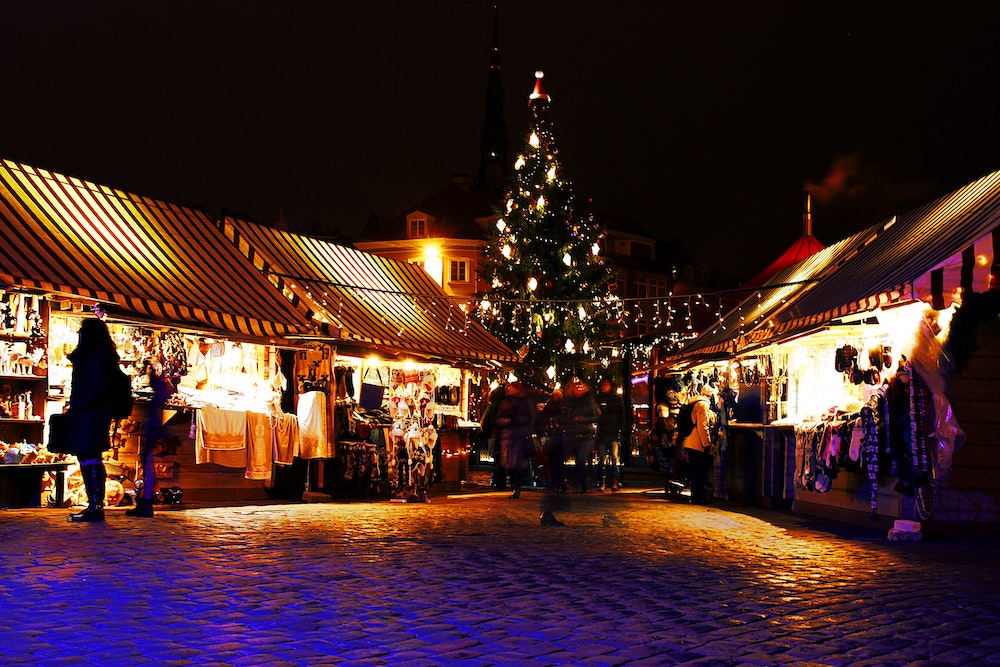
{"x":259,"y":446}
{"x":314,"y":442}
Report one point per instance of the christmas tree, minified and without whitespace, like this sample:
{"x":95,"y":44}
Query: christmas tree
{"x":548,"y":296}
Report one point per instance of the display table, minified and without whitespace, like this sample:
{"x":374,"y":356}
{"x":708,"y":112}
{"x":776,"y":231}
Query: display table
{"x":21,"y":483}
{"x":760,"y":462}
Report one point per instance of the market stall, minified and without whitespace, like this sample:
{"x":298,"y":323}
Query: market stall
{"x":161,"y":275}
{"x":848,"y":402}
{"x":399,"y":366}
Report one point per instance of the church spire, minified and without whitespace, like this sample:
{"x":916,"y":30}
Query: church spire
{"x":493,"y":168}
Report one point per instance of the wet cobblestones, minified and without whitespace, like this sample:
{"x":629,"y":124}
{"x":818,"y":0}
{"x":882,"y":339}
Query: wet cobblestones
{"x":632,"y":579}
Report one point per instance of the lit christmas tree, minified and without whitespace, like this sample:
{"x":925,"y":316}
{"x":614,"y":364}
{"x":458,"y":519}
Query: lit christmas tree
{"x":548,"y":295}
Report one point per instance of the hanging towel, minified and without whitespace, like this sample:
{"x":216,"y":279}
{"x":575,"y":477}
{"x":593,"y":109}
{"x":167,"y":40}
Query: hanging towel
{"x":286,"y":439}
{"x":313,"y":440}
{"x":221,"y":429}
{"x":259,"y":446}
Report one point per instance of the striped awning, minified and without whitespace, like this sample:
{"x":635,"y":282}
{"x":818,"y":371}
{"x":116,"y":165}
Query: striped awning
{"x":361,"y":298}
{"x":930,"y":254}
{"x":156,"y":261}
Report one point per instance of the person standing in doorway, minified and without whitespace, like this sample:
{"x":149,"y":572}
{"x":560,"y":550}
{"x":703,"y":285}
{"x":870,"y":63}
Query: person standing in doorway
{"x":89,"y":414}
{"x":610,"y":423}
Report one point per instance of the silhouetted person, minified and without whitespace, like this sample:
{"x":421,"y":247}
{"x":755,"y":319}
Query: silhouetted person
{"x":152,"y":432}
{"x":491,"y":435}
{"x":579,"y":415}
{"x":89,"y":413}
{"x":610,"y":423}
{"x":515,"y":420}
{"x":554,"y":436}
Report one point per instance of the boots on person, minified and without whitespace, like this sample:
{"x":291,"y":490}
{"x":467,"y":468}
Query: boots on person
{"x":143,"y":508}
{"x":94,"y":477}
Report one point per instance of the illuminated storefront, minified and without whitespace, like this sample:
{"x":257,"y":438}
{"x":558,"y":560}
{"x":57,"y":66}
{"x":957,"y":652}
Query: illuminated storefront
{"x":827,"y":349}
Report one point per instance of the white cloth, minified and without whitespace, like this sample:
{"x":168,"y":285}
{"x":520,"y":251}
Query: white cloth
{"x":221,"y":429}
{"x":313,"y":440}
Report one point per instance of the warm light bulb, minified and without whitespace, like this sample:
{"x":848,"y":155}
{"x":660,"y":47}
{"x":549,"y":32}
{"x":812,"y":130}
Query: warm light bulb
{"x":485,"y":305}
{"x":582,"y":313}
{"x":550,"y":372}
{"x":552,"y":174}
{"x":541,"y":201}
{"x":567,"y":260}
{"x":533,"y":140}
{"x":596,"y":249}
{"x":505,"y":251}
{"x":519,"y":163}
{"x":570,"y":347}
{"x":501,"y":225}
{"x":532,"y":283}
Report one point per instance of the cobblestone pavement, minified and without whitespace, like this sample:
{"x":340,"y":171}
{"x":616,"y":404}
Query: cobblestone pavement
{"x":631,"y":579}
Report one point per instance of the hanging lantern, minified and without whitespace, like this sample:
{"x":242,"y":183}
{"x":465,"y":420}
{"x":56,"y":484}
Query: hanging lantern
{"x":550,"y":372}
{"x":501,"y":225}
{"x":506,"y":251}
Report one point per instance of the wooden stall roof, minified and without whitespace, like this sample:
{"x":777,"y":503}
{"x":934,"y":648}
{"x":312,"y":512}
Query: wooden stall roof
{"x":158,"y":261}
{"x":365,"y":299}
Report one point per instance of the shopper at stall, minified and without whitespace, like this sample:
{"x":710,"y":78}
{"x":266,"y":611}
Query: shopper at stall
{"x":515,"y":420}
{"x":491,"y":435}
{"x":94,"y":360}
{"x":579,"y":416}
{"x":698,"y":444}
{"x":610,"y":424}
{"x":152,"y":432}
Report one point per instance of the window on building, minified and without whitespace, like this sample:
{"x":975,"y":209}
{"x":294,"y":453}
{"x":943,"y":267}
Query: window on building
{"x":416,"y":228}
{"x":459,"y":272}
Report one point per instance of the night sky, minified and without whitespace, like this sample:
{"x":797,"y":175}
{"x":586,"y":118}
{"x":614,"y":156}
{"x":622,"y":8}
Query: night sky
{"x":705,"y":122}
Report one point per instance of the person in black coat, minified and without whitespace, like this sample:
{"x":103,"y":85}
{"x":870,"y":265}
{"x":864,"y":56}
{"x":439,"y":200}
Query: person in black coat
{"x":610,"y":424}
{"x":491,"y":435}
{"x":89,"y":413}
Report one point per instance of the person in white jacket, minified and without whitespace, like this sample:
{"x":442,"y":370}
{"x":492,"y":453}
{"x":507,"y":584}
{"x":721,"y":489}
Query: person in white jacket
{"x":698,"y":445}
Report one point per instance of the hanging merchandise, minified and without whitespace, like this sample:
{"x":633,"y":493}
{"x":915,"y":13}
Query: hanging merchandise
{"x":371,"y":393}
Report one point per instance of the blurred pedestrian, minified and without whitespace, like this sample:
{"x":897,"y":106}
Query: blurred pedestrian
{"x":579,"y":417}
{"x":698,"y":445}
{"x":491,"y":434}
{"x":550,"y":430}
{"x":610,"y":424}
{"x":152,"y":433}
{"x":89,"y":414}
{"x":515,"y":420}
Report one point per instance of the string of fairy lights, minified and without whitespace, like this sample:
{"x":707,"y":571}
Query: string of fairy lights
{"x":651,"y":321}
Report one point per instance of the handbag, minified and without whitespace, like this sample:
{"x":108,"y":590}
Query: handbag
{"x":59,"y":433}
{"x":371,"y":394}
